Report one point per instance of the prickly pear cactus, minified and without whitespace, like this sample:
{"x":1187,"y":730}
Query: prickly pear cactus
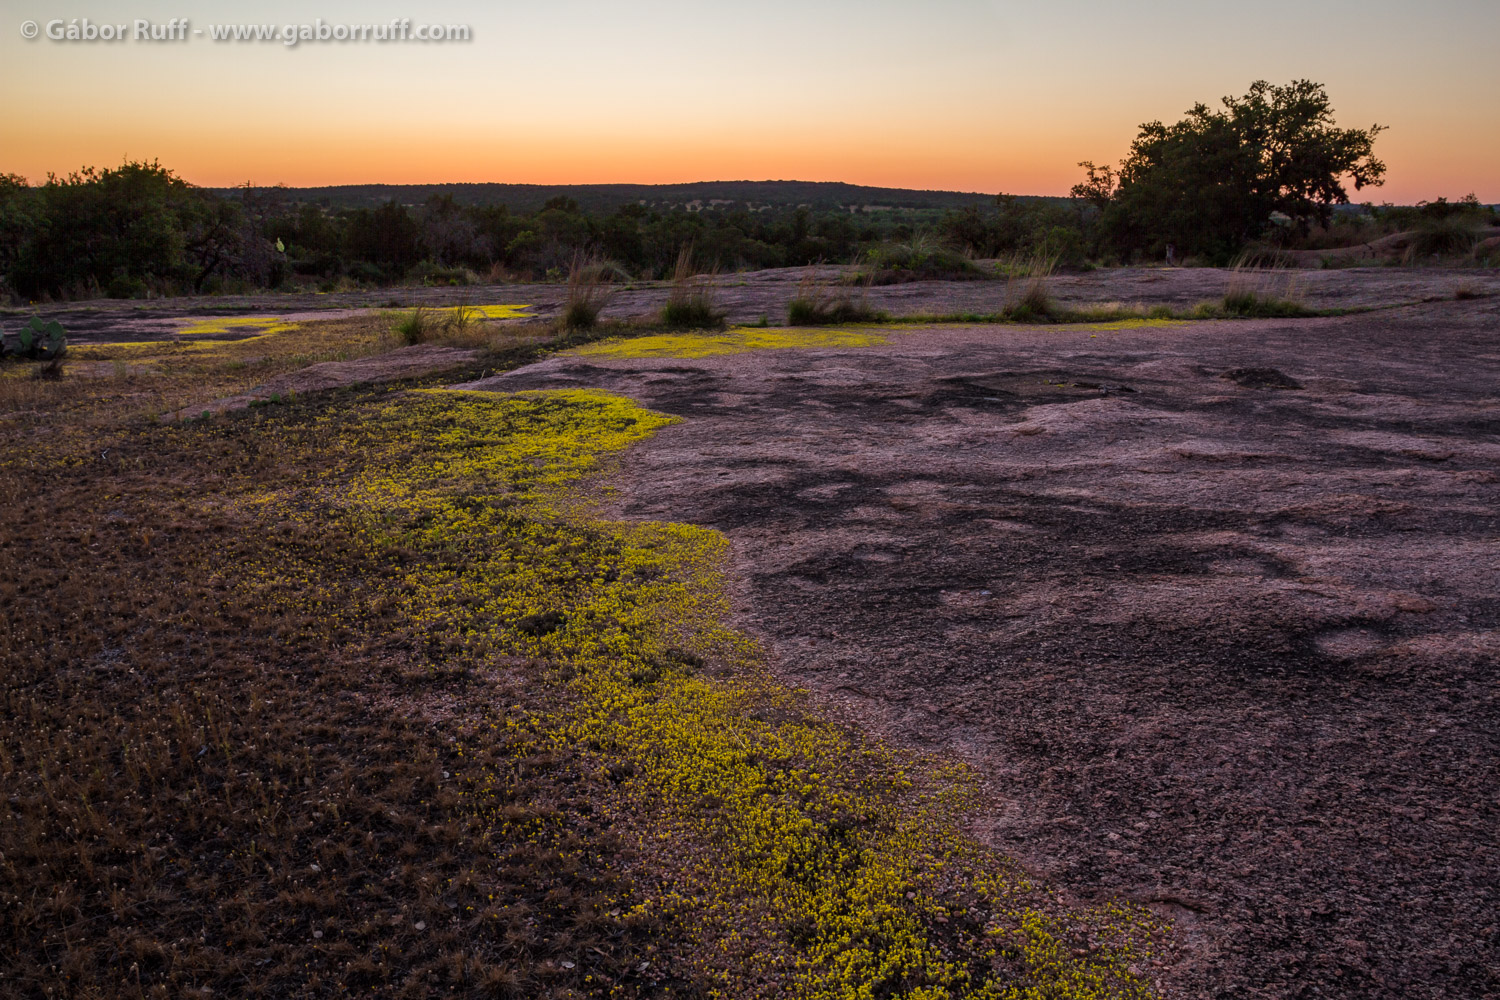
{"x":39,"y":340}
{"x":54,"y":341}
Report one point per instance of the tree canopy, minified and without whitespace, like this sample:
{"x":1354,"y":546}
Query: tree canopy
{"x":1220,"y":178}
{"x":117,"y":230}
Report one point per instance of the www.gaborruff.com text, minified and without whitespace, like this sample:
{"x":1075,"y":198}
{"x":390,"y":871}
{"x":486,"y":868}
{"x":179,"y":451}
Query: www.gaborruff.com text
{"x":81,"y":29}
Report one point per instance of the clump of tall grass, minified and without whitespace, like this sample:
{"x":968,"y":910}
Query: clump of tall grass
{"x":1110,"y":312}
{"x":1253,"y":293}
{"x":816,"y":304}
{"x":1261,"y":258}
{"x":459,"y":325}
{"x":690,"y":303}
{"x":588,"y":291}
{"x":1252,"y":304}
{"x":1027,"y":296}
{"x":416,"y":327}
{"x":464,"y":326}
{"x":923,"y":257}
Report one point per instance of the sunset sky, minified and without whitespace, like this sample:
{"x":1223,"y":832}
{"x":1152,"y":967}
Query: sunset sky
{"x":975,"y":95}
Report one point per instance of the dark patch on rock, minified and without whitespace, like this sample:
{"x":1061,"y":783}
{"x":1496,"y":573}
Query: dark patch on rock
{"x":541,"y":623}
{"x":1261,"y":378}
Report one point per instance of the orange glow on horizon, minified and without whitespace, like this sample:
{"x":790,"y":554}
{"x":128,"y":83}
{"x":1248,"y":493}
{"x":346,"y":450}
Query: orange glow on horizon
{"x":365,"y":162}
{"x":967,"y":95}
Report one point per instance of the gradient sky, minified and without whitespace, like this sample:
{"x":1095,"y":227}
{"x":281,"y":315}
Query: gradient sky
{"x":975,"y":95}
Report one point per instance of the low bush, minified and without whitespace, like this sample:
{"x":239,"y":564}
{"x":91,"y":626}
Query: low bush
{"x":126,"y":287}
{"x":921,"y":258}
{"x":827,"y":311}
{"x":1250,"y":304}
{"x":431,"y":273}
{"x":1443,"y":236}
{"x":367,"y":273}
{"x":818,"y":305}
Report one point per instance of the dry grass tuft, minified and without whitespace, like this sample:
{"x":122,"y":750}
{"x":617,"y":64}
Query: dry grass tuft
{"x":462,"y":325}
{"x":1027,"y":298}
{"x":588,"y":291}
{"x":690,"y":303}
{"x":416,"y":327}
{"x":817,"y":304}
{"x":1259,"y":293}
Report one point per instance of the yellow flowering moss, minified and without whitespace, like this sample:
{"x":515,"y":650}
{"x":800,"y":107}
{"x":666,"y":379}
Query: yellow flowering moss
{"x":813,"y":863}
{"x":255,"y":332}
{"x":277,"y":341}
{"x":1132,"y":323}
{"x":496,"y":311}
{"x":221,"y":325}
{"x":253,"y":328}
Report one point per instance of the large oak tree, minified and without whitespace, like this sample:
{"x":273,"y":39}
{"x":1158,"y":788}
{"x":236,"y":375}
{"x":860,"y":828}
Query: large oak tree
{"x":1217,"y":179}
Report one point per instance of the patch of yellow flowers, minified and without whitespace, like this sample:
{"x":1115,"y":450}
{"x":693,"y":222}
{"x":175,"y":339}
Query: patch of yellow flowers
{"x":814,"y":863}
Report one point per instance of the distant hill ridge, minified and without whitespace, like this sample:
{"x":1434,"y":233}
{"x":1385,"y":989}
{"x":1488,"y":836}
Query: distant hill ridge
{"x":816,"y":195}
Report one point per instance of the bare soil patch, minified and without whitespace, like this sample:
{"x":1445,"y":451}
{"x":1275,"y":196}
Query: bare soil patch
{"x":1210,"y":608}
